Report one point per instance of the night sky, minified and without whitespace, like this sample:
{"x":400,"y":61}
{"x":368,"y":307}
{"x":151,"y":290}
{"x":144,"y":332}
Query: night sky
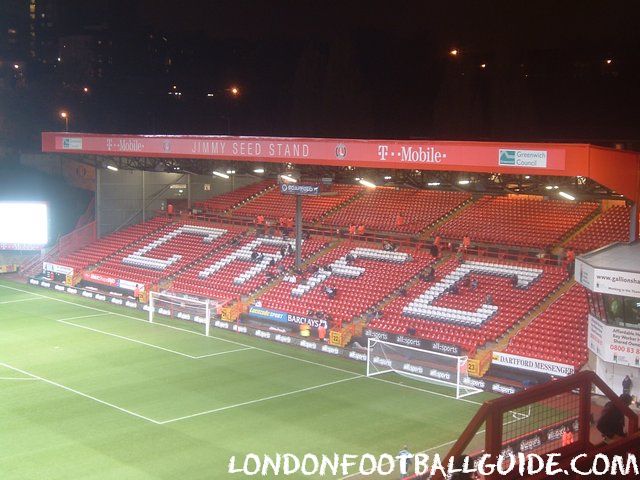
{"x":345,"y":69}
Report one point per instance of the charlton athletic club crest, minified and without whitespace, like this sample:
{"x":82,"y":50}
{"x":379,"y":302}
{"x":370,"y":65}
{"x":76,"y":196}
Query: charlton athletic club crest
{"x":166,"y":145}
{"x":341,"y":151}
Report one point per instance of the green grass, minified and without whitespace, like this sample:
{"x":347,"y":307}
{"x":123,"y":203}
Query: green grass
{"x":92,"y":391}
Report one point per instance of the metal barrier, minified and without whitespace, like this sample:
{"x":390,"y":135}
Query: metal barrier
{"x":532,"y":421}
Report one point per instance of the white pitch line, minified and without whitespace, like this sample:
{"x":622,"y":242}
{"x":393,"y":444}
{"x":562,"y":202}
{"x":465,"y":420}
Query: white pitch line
{"x":223,"y":353}
{"x":127,"y":339}
{"x":411,"y":387}
{"x":18,"y":378}
{"x":123,"y":315}
{"x":451,"y":442}
{"x":20,"y":300}
{"x":69,"y":389}
{"x":187,"y":331}
{"x":245,"y":345}
{"x":264,"y":399}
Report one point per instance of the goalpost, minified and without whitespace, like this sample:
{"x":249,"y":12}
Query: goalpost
{"x":180,"y":306}
{"x":423,"y":365}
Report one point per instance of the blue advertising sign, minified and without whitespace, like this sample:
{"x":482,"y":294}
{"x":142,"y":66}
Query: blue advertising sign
{"x":300,"y":189}
{"x":284,"y":317}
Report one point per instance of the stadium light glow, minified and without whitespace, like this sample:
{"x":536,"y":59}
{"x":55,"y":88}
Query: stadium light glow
{"x":230,"y":172}
{"x":366,"y":183}
{"x":549,"y":187}
{"x":527,"y":177}
{"x":454,"y":52}
{"x":388,"y":177}
{"x":112,"y":168}
{"x":288,"y":178}
{"x":566,"y":195}
{"x":464,"y":182}
{"x":220,"y":174}
{"x":258,"y":170}
{"x":433,"y":184}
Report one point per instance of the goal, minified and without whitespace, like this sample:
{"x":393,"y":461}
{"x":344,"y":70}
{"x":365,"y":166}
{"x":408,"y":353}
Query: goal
{"x":180,"y":306}
{"x":423,"y":365}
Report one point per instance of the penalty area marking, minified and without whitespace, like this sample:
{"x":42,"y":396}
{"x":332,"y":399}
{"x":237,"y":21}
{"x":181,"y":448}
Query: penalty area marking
{"x":85,"y":395}
{"x":20,"y":300}
{"x":284,"y":355}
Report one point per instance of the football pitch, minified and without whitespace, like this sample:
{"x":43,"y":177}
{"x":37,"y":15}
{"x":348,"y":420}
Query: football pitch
{"x":94,"y":391}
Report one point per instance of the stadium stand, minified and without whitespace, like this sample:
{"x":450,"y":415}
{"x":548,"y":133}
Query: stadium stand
{"x":612,"y":226}
{"x":360,"y":284}
{"x":222,"y":203}
{"x":559,"y":334}
{"x":512,"y":302}
{"x":166,"y":252}
{"x":274,"y":205}
{"x":379,"y":209}
{"x":232,"y":271}
{"x":517,"y":221}
{"x":110,"y":244}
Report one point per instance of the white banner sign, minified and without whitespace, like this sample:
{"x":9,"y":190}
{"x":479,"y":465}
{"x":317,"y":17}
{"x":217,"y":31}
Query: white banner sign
{"x":614,"y":344}
{"x":52,"y":267}
{"x":614,"y":282}
{"x":532,"y":364}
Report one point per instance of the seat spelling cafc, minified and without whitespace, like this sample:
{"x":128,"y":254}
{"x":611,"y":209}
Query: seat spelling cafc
{"x":108,"y":245}
{"x":274,"y":204}
{"x":171,"y":249}
{"x":360,"y":283}
{"x":612,"y":226}
{"x":517,"y":221}
{"x":559,"y":334}
{"x":233,"y":270}
{"x":470,"y":314}
{"x":401,"y":210}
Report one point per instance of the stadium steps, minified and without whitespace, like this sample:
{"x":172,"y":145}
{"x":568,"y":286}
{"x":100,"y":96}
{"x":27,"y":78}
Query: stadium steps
{"x":229,"y":211}
{"x":407,"y":285}
{"x":318,"y":223}
{"x":308,"y":261}
{"x":503,"y":341}
{"x":172,"y":277}
{"x":428,"y":232}
{"x":583,"y":226}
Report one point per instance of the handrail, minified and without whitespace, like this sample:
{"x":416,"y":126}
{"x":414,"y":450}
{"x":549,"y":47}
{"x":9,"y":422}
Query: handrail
{"x":493,"y":411}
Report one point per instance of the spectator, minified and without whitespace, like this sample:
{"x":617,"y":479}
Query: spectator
{"x":330,"y":291}
{"x":388,"y":247}
{"x":514,"y":281}
{"x":361,"y":230}
{"x":488,"y":299}
{"x":571,"y":256}
{"x":322,"y":333}
{"x":434,"y":251}
{"x":567,"y":437}
{"x":474,"y":284}
{"x":170,"y":209}
{"x":626,"y":385}
{"x":290,"y":249}
{"x":399,"y":220}
{"x":611,"y":422}
{"x":352,"y":229}
{"x":403,"y":292}
{"x":349,"y":258}
{"x":454,"y":289}
{"x":466,"y":242}
{"x":283,"y":251}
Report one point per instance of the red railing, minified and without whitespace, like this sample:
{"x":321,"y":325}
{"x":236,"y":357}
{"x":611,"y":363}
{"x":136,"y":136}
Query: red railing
{"x":506,"y":423}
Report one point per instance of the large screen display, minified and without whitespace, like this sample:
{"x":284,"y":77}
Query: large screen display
{"x":23,"y":225}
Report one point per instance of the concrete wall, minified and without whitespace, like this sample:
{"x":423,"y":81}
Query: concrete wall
{"x":120,"y":194}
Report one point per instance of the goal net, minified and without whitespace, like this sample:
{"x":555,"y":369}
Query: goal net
{"x":423,"y":365}
{"x":180,"y":306}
